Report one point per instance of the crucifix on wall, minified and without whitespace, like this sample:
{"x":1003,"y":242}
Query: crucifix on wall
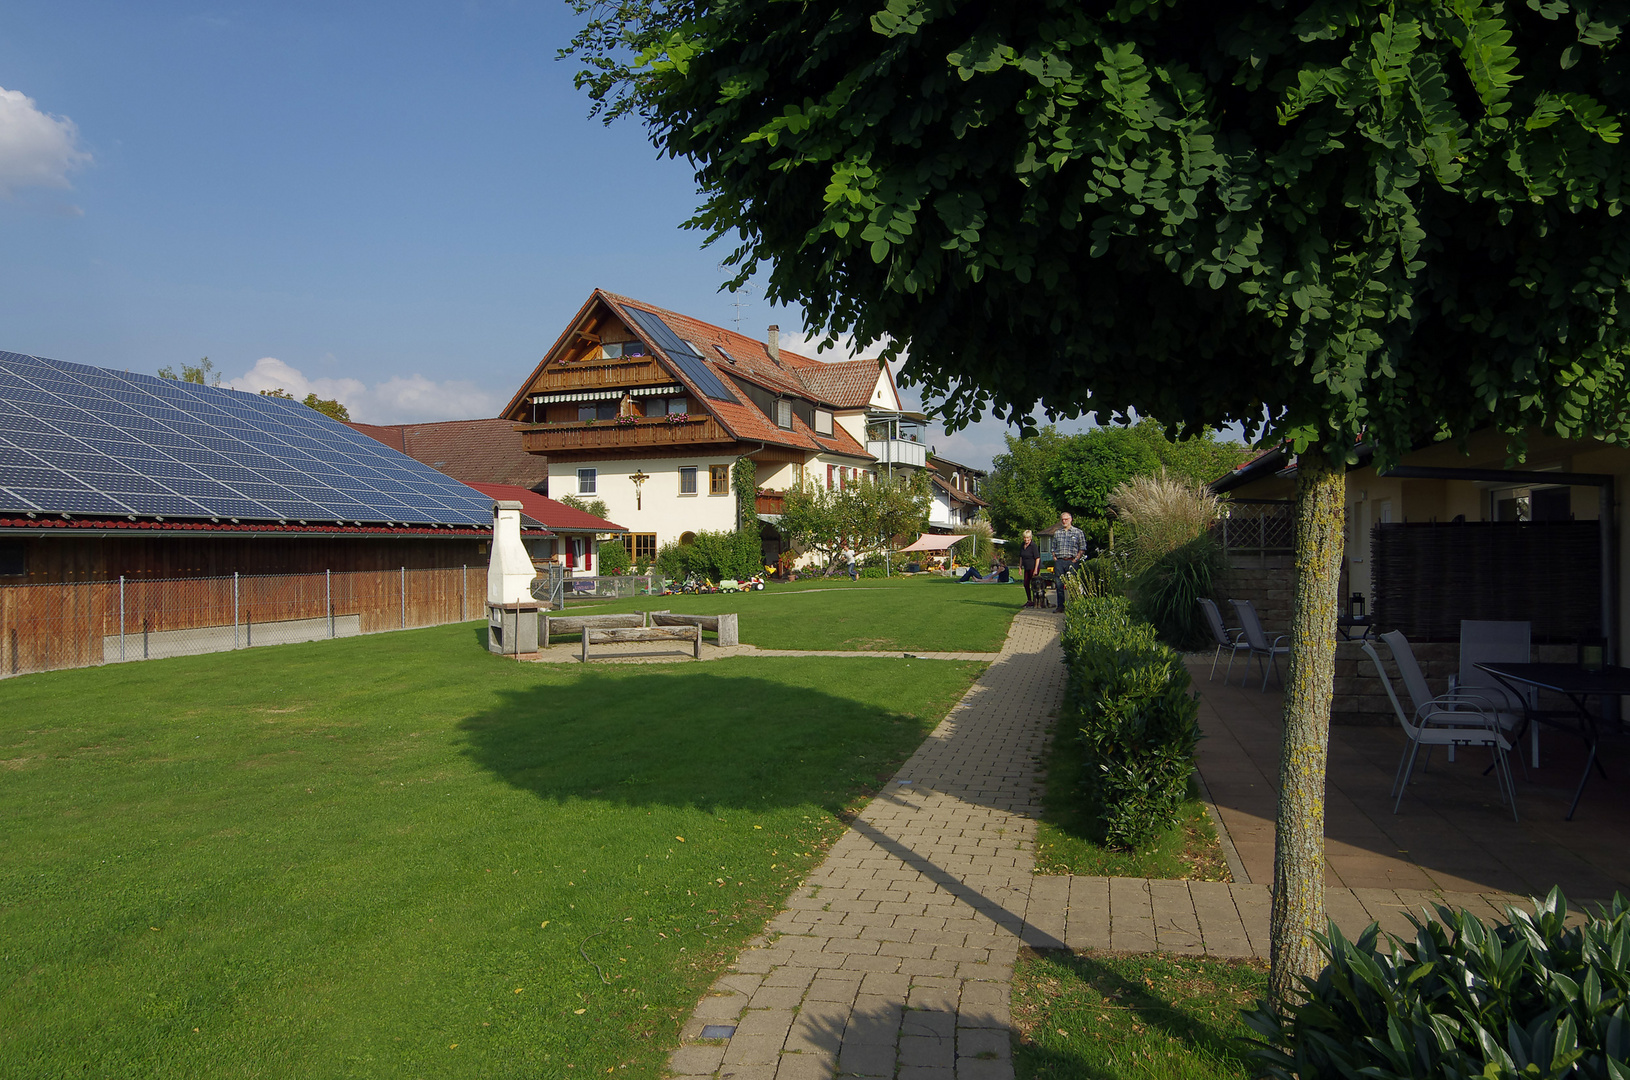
{"x":639,"y":479}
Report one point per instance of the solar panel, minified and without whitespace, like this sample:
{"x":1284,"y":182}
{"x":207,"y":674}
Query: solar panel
{"x":124,"y":443}
{"x":683,"y":356}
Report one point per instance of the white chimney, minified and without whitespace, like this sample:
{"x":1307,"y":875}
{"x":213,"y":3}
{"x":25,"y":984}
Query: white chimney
{"x":773,"y":346}
{"x":509,"y":573}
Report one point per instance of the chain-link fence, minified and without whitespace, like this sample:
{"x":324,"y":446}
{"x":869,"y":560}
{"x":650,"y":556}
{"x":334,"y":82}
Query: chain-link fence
{"x":76,"y":624}
{"x":1257,"y":528}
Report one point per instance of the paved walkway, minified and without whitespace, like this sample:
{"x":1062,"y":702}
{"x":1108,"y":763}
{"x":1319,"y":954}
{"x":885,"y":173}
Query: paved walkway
{"x":895,"y":958}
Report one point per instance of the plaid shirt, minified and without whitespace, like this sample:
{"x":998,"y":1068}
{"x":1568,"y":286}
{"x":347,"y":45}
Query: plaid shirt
{"x":1069,"y":543}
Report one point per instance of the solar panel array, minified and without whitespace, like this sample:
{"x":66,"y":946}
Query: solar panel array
{"x":91,"y":441}
{"x":685,"y":357}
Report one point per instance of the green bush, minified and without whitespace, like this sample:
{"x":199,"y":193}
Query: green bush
{"x":1528,"y":998}
{"x":873,"y":572}
{"x":613,"y":557}
{"x":1168,"y":592}
{"x":1139,"y":720}
{"x":713,"y":555}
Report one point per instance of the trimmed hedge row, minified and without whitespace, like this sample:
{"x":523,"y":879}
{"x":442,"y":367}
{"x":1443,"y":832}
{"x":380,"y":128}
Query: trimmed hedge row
{"x":1139,"y":720}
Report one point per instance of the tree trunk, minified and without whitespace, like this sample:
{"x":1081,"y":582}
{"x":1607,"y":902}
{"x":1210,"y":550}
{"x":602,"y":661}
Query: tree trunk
{"x":1298,"y":864}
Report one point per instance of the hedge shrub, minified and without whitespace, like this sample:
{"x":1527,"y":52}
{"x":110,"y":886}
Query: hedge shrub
{"x":613,"y":557}
{"x":1138,"y":718}
{"x":1528,"y":998}
{"x":713,"y":555}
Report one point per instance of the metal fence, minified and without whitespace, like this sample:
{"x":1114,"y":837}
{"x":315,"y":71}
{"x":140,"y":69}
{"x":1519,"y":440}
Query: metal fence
{"x":77,"y":624}
{"x":1257,"y":528}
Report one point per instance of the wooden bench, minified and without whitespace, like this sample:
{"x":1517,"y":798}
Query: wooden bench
{"x":573,"y":624}
{"x":723,"y":625}
{"x":593,"y":636}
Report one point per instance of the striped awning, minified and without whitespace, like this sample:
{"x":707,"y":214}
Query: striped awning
{"x":605,"y":395}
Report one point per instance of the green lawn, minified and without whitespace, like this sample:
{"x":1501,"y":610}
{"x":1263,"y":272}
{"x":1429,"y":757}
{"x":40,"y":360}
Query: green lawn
{"x":930,"y":614}
{"x":401,"y":856}
{"x":1069,"y":836}
{"x":1100,"y":1016}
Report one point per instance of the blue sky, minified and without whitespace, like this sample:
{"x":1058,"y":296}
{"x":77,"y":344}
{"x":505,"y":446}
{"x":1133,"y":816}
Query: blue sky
{"x":400,"y":205}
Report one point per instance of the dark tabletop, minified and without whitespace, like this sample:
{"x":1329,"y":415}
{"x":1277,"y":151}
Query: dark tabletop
{"x":1565,"y":678}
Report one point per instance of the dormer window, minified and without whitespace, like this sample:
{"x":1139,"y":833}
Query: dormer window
{"x":783,"y":413}
{"x":823,"y":422}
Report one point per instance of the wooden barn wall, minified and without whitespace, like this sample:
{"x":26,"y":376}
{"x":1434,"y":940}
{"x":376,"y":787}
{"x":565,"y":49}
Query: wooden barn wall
{"x":77,"y":558}
{"x":1428,"y":577}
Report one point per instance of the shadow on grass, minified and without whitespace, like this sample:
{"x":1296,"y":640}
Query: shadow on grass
{"x":695,"y":736}
{"x":1139,"y":1013}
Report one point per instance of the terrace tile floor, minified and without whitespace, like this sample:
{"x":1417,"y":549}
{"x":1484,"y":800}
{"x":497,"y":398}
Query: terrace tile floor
{"x":1451,"y":834}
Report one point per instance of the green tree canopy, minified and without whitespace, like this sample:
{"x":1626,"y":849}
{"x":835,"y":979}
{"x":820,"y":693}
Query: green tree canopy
{"x":327,"y":406}
{"x":204,"y":373}
{"x":1331,"y":220}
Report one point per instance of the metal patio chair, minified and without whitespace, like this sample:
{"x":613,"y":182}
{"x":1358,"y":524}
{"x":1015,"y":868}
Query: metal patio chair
{"x":1447,"y":720}
{"x":1266,"y":651}
{"x":1486,"y":641}
{"x":1231,"y":638}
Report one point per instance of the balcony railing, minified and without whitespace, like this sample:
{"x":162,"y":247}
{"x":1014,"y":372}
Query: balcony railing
{"x":771,"y":502}
{"x":898,"y":452}
{"x":578,"y":435}
{"x":602,"y":372}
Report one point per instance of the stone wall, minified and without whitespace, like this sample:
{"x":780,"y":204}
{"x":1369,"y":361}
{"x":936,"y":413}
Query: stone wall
{"x":1267,"y":581}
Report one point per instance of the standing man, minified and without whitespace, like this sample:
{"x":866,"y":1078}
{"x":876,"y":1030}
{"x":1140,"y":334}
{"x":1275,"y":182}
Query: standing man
{"x":1069,"y":544}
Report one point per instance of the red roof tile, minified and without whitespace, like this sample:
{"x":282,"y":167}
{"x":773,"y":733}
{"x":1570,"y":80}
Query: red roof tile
{"x":556,"y":515}
{"x":486,"y":451}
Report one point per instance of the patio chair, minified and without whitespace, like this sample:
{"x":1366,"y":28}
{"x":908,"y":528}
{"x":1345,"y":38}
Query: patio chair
{"x":1484,"y":641}
{"x":1447,"y":720}
{"x":1256,"y":639}
{"x":1231,"y":638}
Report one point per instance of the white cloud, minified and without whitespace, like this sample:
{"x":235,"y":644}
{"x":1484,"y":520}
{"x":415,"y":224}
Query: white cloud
{"x":36,"y":148}
{"x":414,"y":399}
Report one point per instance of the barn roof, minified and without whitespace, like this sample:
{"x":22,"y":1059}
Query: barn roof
{"x":79,"y":441}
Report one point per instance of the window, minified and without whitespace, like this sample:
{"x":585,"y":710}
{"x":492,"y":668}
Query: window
{"x":12,"y":561}
{"x":718,"y":479}
{"x":687,"y":480}
{"x":831,"y":471}
{"x":677,"y":406}
{"x":586,"y":481}
{"x":613,"y":350}
{"x":645,"y":548}
{"x":823,"y":422}
{"x":603,"y":411}
{"x":783,"y":414}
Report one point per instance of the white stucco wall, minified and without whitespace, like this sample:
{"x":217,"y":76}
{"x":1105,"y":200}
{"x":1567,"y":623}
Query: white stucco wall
{"x":660,"y":509}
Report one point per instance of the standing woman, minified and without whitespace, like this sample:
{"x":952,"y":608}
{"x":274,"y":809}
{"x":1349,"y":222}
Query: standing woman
{"x":1029,"y":558}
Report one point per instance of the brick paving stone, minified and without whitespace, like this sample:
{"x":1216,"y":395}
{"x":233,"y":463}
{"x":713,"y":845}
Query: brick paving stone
{"x":922,"y":902}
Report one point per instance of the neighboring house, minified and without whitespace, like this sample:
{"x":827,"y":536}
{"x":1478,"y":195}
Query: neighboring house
{"x":955,"y":492}
{"x":573,"y":537}
{"x":470,"y":451}
{"x":649,"y":411}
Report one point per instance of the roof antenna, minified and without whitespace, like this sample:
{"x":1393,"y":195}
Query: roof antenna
{"x":738,"y":303}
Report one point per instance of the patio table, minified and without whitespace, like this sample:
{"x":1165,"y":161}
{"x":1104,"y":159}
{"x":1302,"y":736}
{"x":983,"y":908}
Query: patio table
{"x":1576,"y":684}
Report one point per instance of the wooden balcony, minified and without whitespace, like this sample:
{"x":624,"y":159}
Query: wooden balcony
{"x":771,"y":502}
{"x":599,"y":374}
{"x":584,"y":437}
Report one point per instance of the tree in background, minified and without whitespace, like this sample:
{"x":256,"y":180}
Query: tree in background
{"x":1042,"y":475}
{"x":873,"y":512}
{"x":327,"y":406}
{"x":1325,"y":222}
{"x":203,"y":373}
{"x":596,"y":507}
{"x":1017,"y":489}
{"x":811,"y":520}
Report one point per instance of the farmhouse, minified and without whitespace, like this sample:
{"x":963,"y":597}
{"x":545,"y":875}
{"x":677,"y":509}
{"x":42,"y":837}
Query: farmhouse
{"x":650,"y":411}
